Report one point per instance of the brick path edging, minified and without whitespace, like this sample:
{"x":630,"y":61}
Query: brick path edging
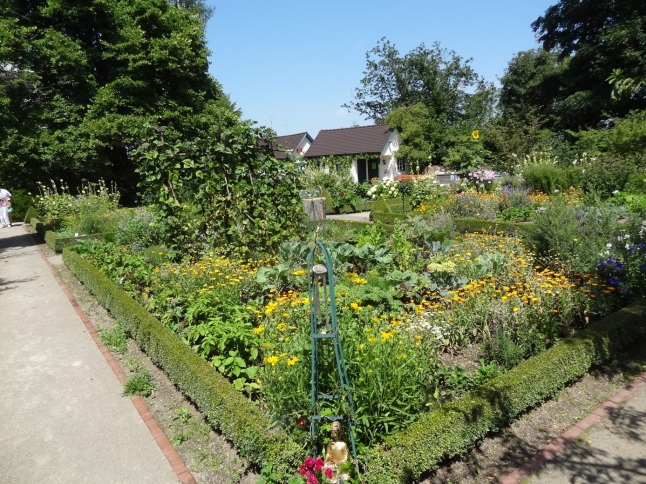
{"x":550,"y":451}
{"x":175,"y":460}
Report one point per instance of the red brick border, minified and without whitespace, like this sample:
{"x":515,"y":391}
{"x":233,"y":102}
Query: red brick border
{"x":175,"y":460}
{"x":549,"y":451}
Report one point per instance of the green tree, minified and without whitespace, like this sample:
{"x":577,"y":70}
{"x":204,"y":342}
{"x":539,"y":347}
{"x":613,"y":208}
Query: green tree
{"x":79,"y":79}
{"x":530,"y":86}
{"x":432,"y":92}
{"x":592,"y":38}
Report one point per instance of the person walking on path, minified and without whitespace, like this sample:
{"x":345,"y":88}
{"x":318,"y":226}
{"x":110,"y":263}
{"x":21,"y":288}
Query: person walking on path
{"x":5,"y":203}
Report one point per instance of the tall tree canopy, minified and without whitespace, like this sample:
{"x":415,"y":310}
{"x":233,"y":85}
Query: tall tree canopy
{"x":433,"y":87}
{"x":584,"y":41}
{"x":79,"y":79}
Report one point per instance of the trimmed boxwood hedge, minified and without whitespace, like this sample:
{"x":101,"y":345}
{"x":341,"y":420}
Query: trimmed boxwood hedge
{"x":31,"y":213}
{"x":239,"y":419}
{"x":458,"y":426}
{"x":57,"y":243}
{"x":461,"y":224}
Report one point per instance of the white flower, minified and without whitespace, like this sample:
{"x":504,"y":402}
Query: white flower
{"x":614,"y":192}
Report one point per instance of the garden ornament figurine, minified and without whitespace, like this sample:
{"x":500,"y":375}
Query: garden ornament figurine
{"x":336,"y":454}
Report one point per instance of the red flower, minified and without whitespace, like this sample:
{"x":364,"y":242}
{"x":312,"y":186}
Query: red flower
{"x":302,"y":422}
{"x":328,"y":473}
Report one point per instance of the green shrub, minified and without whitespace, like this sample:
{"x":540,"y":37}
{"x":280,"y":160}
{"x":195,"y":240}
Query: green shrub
{"x":636,"y":183}
{"x":605,"y":175}
{"x":547,"y":178}
{"x":21,"y":201}
{"x":140,"y":229}
{"x":576,"y":233}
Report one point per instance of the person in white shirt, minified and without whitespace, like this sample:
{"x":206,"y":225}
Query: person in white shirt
{"x":5,"y":203}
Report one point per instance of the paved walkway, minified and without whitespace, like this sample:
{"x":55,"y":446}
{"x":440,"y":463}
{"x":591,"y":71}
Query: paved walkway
{"x":607,"y":446}
{"x":354,"y":217}
{"x":62,"y":416}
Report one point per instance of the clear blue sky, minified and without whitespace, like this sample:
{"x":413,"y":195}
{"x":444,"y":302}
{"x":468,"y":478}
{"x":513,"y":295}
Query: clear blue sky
{"x":291,"y":64}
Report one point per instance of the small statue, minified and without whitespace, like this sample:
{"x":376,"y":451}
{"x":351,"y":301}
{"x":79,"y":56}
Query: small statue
{"x":336,"y":454}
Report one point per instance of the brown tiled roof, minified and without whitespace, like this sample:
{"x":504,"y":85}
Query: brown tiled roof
{"x":287,"y":144}
{"x":349,"y":141}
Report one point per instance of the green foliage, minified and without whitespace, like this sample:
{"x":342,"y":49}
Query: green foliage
{"x":225,"y":190}
{"x":331,"y":175}
{"x":84,"y":79}
{"x":141,"y":229}
{"x":457,"y":426}
{"x":575,"y":233}
{"x":636,"y":183}
{"x":31,"y":213}
{"x":140,"y":384}
{"x":222,"y":405}
{"x":115,"y":338}
{"x":502,"y":350}
{"x":606,"y":35}
{"x":548,"y":178}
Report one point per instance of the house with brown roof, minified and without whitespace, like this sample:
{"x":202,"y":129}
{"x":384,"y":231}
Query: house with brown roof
{"x":373,"y":150}
{"x":292,"y":145}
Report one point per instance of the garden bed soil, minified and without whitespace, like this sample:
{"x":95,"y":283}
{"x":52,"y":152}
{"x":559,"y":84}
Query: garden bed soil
{"x":212,"y":459}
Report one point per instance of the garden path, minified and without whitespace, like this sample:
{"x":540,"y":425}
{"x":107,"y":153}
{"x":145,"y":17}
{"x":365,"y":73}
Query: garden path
{"x":63,"y":418}
{"x":354,"y":217}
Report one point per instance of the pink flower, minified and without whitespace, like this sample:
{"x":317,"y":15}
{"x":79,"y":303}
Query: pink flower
{"x":328,"y":473}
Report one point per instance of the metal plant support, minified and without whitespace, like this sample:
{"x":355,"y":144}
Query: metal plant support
{"x":325,"y":331}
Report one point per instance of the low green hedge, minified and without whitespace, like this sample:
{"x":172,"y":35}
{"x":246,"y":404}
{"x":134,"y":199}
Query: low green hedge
{"x":223,"y":406}
{"x":40,"y":227}
{"x":31,"y":213}
{"x":458,"y":426}
{"x":461,"y":224}
{"x":58,"y":242}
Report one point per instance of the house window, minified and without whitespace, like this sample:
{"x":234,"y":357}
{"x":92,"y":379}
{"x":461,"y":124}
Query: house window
{"x":402,"y":166}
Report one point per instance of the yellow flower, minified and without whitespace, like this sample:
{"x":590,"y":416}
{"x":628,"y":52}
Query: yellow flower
{"x":475,"y":134}
{"x":300,"y":272}
{"x":386,"y":335}
{"x":259,"y":329}
{"x":292,"y":361}
{"x":516,"y":310}
{"x":355,"y":306}
{"x":281,"y":326}
{"x":272,"y":360}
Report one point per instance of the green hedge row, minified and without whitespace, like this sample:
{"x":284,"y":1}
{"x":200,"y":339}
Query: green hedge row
{"x":461,"y":224}
{"x":458,"y":426}
{"x":223,"y":406}
{"x":40,"y":227}
{"x":31,"y":213}
{"x":58,"y":242}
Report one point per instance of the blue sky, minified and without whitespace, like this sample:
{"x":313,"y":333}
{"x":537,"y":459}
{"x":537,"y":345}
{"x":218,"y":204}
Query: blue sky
{"x":291,"y":65}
